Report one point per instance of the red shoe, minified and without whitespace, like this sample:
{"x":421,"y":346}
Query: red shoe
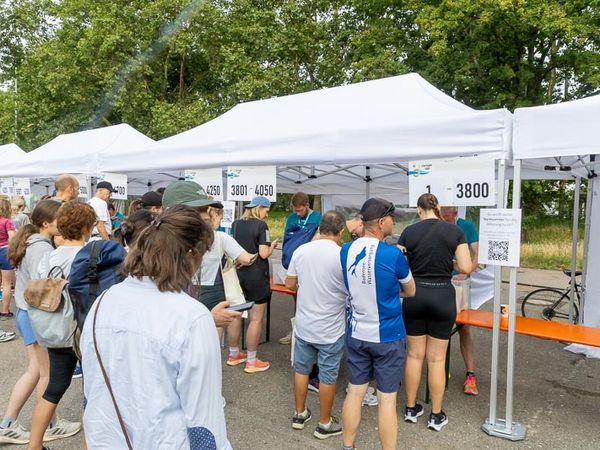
{"x":470,"y":386}
{"x":258,"y":366}
{"x":237,"y":359}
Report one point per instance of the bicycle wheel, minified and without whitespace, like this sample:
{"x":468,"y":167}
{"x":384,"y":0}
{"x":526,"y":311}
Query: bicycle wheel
{"x":548,"y":304}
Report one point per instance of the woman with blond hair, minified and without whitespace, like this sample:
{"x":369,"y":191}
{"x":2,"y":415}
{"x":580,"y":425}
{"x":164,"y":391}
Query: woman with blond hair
{"x":252,"y":233}
{"x":19,"y":218}
{"x":7,"y":231}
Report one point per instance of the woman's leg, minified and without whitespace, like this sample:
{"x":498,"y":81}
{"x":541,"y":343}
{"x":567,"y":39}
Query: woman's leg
{"x":7,"y":282}
{"x":255,"y":326}
{"x":416,"y":350}
{"x":24,"y":386}
{"x":436,"y":366}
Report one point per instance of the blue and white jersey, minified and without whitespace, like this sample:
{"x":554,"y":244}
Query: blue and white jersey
{"x":372,"y":270}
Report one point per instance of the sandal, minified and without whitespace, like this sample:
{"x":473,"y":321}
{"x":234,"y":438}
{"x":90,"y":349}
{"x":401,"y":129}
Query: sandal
{"x":7,"y":315}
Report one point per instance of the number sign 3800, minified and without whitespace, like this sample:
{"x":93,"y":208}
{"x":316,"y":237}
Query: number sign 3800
{"x":472,"y":190}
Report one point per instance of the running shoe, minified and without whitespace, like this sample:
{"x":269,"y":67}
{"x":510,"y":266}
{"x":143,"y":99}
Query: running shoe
{"x":258,"y":366}
{"x":287,"y":339}
{"x":470,"y":386}
{"x":239,"y":358}
{"x":15,"y":434}
{"x":62,"y":429}
{"x":370,"y":398}
{"x":299,"y":420}
{"x":6,"y":336}
{"x":313,"y":385}
{"x":437,"y":421}
{"x":333,"y":428}
{"x":6,"y":316}
{"x":411,"y":414}
{"x":77,"y":373}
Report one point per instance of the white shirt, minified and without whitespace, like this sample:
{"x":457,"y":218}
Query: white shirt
{"x":162,"y":356}
{"x":101,"y":209}
{"x":321,"y":302}
{"x":223,"y":244}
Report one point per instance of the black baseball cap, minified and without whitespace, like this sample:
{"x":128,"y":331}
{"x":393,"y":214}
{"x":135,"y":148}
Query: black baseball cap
{"x":376,"y":208}
{"x":106,"y":185}
{"x":151,"y":199}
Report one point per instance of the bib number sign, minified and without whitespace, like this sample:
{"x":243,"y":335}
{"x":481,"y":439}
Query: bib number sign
{"x":84,"y":186}
{"x":245,"y":183}
{"x":20,"y":187}
{"x":468,"y":181}
{"x":210,"y":179}
{"x":119,"y":182}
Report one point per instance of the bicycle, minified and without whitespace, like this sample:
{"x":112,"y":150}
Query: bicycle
{"x":552,"y":303}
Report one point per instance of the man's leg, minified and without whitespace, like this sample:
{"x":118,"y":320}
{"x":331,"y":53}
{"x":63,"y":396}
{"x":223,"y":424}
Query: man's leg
{"x":351,"y":412}
{"x":388,"y":420}
{"x":300,"y":391}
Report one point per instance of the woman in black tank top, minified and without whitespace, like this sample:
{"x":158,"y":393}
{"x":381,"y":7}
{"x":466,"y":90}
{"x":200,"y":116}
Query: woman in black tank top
{"x":433,"y":249}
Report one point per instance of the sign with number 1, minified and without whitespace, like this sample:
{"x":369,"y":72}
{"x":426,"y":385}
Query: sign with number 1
{"x":245,"y":183}
{"x":467,"y":181}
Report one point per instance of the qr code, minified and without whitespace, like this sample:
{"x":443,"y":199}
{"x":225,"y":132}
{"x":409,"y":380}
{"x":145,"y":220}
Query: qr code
{"x":498,"y":250}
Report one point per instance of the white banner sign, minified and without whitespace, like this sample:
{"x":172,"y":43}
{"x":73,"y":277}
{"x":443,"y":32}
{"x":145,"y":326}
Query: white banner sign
{"x":228,"y":214}
{"x":119,"y":182}
{"x":500,"y":237}
{"x":6,"y":186}
{"x":210,"y":179}
{"x":84,"y":186}
{"x":22,"y":187}
{"x":468,"y":181}
{"x":245,"y":183}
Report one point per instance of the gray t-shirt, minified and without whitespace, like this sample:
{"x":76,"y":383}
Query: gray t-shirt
{"x":62,"y":257}
{"x":19,"y":220}
{"x":37,"y":246}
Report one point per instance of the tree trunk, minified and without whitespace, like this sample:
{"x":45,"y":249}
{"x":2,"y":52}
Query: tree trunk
{"x":181,"y":76}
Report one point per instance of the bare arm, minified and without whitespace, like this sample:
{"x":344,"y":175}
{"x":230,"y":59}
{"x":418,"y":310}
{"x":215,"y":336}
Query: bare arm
{"x":265,"y":251}
{"x":291,"y":283}
{"x":11,"y":234}
{"x":246,"y":259}
{"x":408,"y":289}
{"x":102,"y":230}
{"x":463,"y":262}
{"x":475,"y":255}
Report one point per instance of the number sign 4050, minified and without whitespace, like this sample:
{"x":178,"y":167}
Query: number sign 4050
{"x":264,"y":190}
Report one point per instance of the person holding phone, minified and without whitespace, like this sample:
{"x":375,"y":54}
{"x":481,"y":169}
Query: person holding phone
{"x":252,"y":233}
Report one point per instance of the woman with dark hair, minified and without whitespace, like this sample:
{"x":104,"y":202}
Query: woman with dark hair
{"x":433,"y":248}
{"x":75,"y":222}
{"x":25,"y":252}
{"x":7,"y":271}
{"x":148,"y":326}
{"x":133,"y":226}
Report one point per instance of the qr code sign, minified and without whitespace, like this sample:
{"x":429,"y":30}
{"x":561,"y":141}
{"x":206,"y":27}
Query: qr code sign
{"x":498,"y":250}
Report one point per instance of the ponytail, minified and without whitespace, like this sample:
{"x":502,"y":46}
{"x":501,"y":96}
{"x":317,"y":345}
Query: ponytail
{"x":133,"y":226}
{"x":18,"y":244}
{"x":429,"y":202}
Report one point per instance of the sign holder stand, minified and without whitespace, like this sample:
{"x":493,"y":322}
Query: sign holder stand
{"x":505,"y":428}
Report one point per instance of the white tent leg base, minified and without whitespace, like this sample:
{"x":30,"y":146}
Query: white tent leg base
{"x":516,"y":433}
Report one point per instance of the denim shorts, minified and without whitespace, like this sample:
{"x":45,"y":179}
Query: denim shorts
{"x":382,"y":361}
{"x":4,"y":264}
{"x":24,"y":327}
{"x":327,"y":356}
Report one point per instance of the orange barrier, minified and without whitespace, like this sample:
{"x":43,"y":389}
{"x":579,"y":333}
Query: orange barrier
{"x":281,"y":289}
{"x":543,"y":329}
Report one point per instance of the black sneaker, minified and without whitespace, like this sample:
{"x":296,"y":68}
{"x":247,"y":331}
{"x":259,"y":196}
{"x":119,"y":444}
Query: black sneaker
{"x":299,"y":420}
{"x":437,"y":421}
{"x":411,"y":414}
{"x":333,"y":428}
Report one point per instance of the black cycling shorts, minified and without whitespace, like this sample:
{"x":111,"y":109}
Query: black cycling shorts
{"x":432,"y":311}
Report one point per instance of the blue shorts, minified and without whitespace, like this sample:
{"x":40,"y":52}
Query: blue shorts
{"x":382,"y":361}
{"x":4,"y":264}
{"x":327,"y":356}
{"x":24,"y":327}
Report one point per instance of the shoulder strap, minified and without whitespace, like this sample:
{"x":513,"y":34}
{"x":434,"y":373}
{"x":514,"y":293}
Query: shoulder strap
{"x":92,"y":272}
{"x":105,"y":376}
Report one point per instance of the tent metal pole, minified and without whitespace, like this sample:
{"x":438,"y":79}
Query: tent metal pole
{"x":574,"y":248}
{"x":586,"y":244}
{"x":368,"y":182}
{"x":496,"y":325}
{"x":512,"y":306}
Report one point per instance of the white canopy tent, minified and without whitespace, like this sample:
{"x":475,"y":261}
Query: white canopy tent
{"x":376,"y":122}
{"x":10,"y":153}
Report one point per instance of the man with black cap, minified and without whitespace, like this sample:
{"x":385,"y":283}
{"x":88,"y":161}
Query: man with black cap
{"x":375,"y":343}
{"x":103,"y":228}
{"x":152,"y":201}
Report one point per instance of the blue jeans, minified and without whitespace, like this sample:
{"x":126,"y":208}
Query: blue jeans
{"x":327,"y":356}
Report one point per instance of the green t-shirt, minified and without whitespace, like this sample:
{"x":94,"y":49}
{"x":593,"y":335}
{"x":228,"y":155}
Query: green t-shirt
{"x":469,"y":230}
{"x":313,"y":217}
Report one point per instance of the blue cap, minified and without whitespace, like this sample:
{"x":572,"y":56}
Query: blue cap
{"x":259,"y":201}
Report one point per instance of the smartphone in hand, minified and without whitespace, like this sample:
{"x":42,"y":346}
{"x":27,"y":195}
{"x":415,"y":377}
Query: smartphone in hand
{"x":242,"y":307}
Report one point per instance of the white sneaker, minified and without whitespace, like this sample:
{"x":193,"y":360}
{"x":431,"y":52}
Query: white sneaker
{"x":6,"y":336}
{"x":15,"y":434}
{"x":62,"y":429}
{"x":370,"y":399}
{"x":287,"y":339}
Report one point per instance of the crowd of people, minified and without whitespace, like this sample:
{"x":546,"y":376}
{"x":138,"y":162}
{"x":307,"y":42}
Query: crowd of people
{"x":387,"y":308}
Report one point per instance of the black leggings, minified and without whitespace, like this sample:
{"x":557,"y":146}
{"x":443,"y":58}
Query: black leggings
{"x":62,"y":365}
{"x":432,"y":311}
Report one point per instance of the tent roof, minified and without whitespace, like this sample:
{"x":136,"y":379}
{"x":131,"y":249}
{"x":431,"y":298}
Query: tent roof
{"x":381,"y":121}
{"x":78,"y":152}
{"x":557,"y":130}
{"x":10,"y":153}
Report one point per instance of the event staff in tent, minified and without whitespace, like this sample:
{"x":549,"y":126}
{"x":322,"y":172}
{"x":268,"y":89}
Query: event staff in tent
{"x":375,"y":344}
{"x":431,"y":247}
{"x":66,"y":187}
{"x":99,"y":202}
{"x":316,"y":273}
{"x":462,"y":284}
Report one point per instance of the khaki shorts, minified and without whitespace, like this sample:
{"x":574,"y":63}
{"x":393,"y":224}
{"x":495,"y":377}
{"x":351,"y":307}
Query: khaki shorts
{"x":463,"y":293}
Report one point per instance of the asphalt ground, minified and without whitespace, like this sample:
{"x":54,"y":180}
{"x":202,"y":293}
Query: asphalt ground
{"x":557,"y":398}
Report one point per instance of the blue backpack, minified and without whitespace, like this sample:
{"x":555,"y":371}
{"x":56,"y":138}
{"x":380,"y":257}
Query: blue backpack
{"x":96,"y":267}
{"x":294,"y":237}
